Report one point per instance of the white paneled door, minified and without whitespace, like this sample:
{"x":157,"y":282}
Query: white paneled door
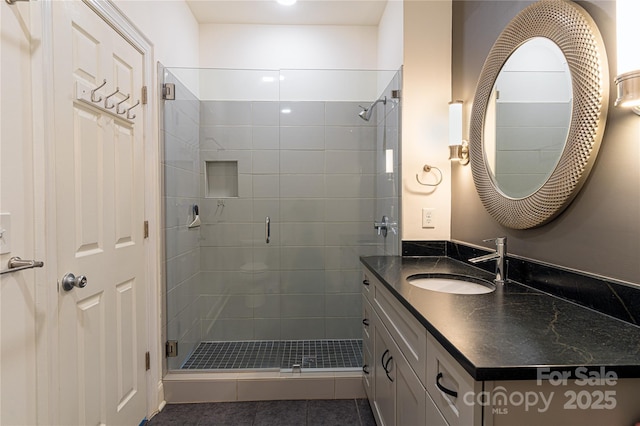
{"x":100,"y":214}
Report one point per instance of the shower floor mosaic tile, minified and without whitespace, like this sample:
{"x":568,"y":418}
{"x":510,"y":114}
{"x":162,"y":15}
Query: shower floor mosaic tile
{"x":282,"y":354}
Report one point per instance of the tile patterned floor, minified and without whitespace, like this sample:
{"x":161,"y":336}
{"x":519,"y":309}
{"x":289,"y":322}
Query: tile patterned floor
{"x":333,"y":354}
{"x":341,"y":412}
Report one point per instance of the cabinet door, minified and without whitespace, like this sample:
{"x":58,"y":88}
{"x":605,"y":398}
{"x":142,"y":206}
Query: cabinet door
{"x":410,"y":395}
{"x":368,"y":284}
{"x":384,"y":386}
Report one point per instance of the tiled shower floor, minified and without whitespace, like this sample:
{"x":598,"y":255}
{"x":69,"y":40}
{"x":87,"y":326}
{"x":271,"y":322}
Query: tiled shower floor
{"x":283,"y":354}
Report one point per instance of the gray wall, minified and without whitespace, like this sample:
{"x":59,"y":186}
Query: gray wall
{"x":599,"y":232}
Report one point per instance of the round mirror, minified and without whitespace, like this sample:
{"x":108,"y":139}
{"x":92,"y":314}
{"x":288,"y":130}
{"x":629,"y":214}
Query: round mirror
{"x":536,"y":125}
{"x":527,"y":118}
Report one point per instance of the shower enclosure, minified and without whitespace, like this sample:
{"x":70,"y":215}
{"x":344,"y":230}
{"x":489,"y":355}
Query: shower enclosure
{"x":272,"y":182}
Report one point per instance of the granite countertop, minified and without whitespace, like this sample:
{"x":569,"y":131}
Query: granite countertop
{"x":509,"y":333}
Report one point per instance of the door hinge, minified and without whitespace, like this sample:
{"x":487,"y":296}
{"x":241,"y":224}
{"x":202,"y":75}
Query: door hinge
{"x":143,"y":95}
{"x":172,"y":348}
{"x":146,"y":229}
{"x":396,"y":94}
{"x":147,"y":361}
{"x":169,"y":91}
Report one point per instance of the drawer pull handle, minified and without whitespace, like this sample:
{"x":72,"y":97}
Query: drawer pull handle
{"x":365,"y":282}
{"x":385,"y":365}
{"x":443,"y":389}
{"x":365,"y":369}
{"x":366,"y":322}
{"x":386,"y":368}
{"x":383,"y":355}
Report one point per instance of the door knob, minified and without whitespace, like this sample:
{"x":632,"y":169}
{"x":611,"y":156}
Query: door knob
{"x":69,"y":281}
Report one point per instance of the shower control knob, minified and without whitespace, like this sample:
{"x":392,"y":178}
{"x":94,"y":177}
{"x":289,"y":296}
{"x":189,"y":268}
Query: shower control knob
{"x":70,"y":281}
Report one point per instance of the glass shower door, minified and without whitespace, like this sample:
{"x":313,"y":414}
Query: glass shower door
{"x":240,"y":258}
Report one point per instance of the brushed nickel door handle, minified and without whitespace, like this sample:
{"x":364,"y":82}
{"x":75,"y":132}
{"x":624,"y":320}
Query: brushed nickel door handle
{"x":70,"y":281}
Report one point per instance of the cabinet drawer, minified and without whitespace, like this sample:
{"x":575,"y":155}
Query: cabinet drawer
{"x":411,"y":396}
{"x":400,"y":397}
{"x":447,"y":383}
{"x":408,"y":333}
{"x":367,"y":286}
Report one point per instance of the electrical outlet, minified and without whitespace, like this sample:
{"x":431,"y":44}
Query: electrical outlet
{"x":428,"y":218}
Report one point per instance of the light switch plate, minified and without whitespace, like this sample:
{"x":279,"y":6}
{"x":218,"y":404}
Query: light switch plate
{"x":5,"y":233}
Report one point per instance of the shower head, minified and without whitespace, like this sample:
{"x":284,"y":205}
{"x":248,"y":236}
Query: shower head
{"x":365,"y":114}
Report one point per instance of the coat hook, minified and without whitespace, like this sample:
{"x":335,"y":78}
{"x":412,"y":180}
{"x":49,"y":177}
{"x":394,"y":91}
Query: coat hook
{"x":427,"y":168}
{"x":121,"y":102}
{"x":106,"y":100}
{"x":129,"y":115}
{"x":93,"y":92}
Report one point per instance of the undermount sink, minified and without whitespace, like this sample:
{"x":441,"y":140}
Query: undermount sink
{"x":449,"y":283}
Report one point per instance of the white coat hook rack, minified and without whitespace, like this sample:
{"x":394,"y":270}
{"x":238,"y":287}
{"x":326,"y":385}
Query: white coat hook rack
{"x":88,"y":94}
{"x":427,"y":169}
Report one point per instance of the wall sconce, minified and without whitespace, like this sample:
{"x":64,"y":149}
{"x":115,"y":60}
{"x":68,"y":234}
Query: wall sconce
{"x":458,"y":148}
{"x":628,"y":78}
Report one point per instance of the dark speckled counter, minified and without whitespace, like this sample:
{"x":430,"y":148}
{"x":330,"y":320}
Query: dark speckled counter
{"x":510,"y":333}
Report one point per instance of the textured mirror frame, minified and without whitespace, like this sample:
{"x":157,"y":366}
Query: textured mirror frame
{"x":571,"y":28}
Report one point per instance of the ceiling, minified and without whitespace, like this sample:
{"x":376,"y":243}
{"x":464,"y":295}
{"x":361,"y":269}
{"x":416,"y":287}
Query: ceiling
{"x":304,"y":12}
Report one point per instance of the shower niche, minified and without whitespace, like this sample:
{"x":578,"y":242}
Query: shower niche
{"x":288,"y":179}
{"x":221,"y":179}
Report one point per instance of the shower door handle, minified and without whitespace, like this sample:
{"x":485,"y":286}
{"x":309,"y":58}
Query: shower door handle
{"x":267,"y":229}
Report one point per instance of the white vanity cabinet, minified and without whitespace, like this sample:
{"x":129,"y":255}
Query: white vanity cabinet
{"x":413,"y":380}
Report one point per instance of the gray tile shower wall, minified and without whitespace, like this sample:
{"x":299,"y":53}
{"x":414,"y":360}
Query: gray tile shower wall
{"x":312,"y":171}
{"x":612,"y":297}
{"x":181,"y":190}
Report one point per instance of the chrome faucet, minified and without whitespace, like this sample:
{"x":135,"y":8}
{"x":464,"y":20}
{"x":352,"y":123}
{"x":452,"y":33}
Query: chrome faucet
{"x":499,"y":256}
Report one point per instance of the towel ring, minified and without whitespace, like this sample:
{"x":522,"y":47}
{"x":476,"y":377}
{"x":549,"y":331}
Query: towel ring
{"x":427,"y":168}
